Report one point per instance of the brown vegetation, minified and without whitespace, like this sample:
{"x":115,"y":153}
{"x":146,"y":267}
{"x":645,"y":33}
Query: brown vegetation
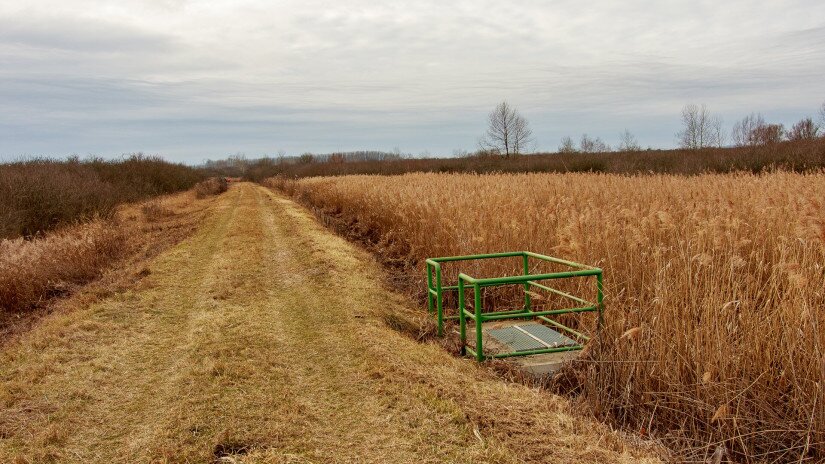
{"x":41,"y":194}
{"x":800,"y":156}
{"x":211,"y":186}
{"x":714,"y":335}
{"x":34,"y":271}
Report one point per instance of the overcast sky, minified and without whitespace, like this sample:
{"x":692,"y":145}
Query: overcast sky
{"x":203,"y":79}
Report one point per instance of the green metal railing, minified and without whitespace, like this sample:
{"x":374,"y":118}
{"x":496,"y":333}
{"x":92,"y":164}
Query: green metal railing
{"x":436,"y":291}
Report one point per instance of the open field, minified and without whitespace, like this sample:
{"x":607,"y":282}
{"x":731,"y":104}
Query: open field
{"x":264,"y":338}
{"x":714,"y":287}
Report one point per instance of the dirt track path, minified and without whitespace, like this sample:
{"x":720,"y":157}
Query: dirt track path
{"x":260,"y":339}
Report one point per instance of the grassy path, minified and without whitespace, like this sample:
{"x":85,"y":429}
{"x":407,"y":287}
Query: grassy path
{"x":260,"y":339}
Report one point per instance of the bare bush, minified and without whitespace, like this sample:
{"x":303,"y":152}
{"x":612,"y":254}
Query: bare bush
{"x":768,"y":134}
{"x":211,"y":186}
{"x":567,"y":145}
{"x":41,"y":194}
{"x":589,"y":144}
{"x":805,"y":129}
{"x":628,"y":142}
{"x":801,"y":156}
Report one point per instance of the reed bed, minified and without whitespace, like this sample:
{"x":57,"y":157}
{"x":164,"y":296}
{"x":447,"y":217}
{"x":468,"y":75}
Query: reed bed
{"x":715,"y":287}
{"x":32,"y":271}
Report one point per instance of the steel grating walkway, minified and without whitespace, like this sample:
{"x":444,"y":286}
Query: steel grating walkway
{"x":532,"y":336}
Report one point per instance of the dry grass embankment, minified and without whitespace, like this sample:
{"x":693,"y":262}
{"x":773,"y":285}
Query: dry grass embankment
{"x":35,"y":271}
{"x":714,"y":287}
{"x":32,"y":271}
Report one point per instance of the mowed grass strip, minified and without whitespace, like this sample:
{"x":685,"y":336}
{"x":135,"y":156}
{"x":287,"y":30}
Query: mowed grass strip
{"x":262,"y":339}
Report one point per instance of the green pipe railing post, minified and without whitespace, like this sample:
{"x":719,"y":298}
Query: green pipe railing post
{"x":479,"y":320}
{"x":462,"y":318}
{"x":429,"y":289}
{"x":527,"y":303}
{"x":439,"y":301}
{"x":600,"y":298}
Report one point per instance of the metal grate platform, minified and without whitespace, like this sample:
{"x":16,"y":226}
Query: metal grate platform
{"x":527,"y":337}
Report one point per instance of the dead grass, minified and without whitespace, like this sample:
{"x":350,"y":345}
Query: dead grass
{"x":35,"y":274}
{"x":714,"y":287}
{"x":155,"y":211}
{"x":35,"y":270}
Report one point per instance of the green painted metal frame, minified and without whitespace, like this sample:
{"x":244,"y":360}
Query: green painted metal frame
{"x":436,"y":289}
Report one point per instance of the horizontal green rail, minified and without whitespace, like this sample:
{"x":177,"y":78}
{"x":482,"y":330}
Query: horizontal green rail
{"x":496,"y":316}
{"x":496,"y":281}
{"x":447,"y":259}
{"x":539,"y":351}
{"x":560,"y":293}
{"x":558,"y":261}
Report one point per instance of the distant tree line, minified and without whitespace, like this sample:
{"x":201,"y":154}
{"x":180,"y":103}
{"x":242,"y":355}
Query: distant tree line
{"x":702,"y":129}
{"x":256,"y":169}
{"x":509,"y":134}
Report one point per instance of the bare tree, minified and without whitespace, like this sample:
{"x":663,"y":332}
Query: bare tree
{"x":522,"y":135}
{"x":700,"y":128}
{"x":567,"y":145}
{"x":744,"y":129}
{"x":805,"y":129}
{"x":628,"y":142}
{"x":508,"y":133}
{"x":592,"y":145}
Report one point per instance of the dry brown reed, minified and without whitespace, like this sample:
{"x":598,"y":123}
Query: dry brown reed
{"x":32,"y":271}
{"x":155,"y":211}
{"x":715,"y":287}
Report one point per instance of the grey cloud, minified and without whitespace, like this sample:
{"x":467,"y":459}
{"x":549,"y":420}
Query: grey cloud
{"x":209,"y":78}
{"x":53,"y":32}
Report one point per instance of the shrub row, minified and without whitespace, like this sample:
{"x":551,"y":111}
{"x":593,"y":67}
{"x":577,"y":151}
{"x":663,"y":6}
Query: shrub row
{"x":797,"y":156}
{"x":41,"y":194}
